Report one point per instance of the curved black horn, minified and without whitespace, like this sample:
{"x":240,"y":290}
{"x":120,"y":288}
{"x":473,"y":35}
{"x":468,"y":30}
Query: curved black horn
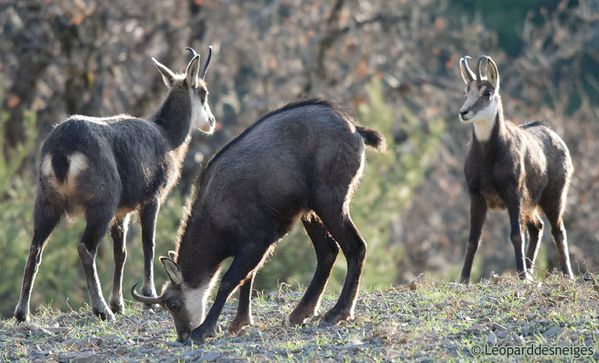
{"x":144,"y":299}
{"x":193,"y":52}
{"x":466,"y":59}
{"x":206,"y":63}
{"x":479,"y":68}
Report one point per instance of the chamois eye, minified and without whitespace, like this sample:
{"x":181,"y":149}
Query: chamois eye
{"x":202,"y":93}
{"x":488,"y":93}
{"x":172,"y":305}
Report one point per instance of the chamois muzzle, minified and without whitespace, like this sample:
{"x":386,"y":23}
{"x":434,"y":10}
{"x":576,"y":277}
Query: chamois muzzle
{"x":144,"y":299}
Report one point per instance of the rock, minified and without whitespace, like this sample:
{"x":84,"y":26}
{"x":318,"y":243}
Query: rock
{"x":473,"y":331}
{"x":492,"y":338}
{"x":553,"y":332}
{"x":175,"y":343}
{"x":210,"y":356}
{"x":193,"y":355}
{"x":501,"y":334}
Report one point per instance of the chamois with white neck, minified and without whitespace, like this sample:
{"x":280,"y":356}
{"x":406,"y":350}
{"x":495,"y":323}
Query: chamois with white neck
{"x":302,"y":161}
{"x":524,"y":168}
{"x":110,"y":167}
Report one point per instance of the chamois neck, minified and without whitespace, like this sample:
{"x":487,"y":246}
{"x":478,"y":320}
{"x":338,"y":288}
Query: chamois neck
{"x":488,"y":128}
{"x":198,"y":255}
{"x":174,"y":117}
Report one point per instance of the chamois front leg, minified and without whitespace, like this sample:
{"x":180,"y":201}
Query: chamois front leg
{"x":147,"y":217}
{"x":242,"y":266}
{"x":478,"y":214}
{"x":514,"y":206}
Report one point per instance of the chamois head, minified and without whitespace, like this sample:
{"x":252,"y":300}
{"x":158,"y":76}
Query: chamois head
{"x":192,"y":81}
{"x":186,"y":304}
{"x":481,"y":93}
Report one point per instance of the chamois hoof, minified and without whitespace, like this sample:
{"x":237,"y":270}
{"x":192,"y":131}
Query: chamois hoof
{"x":21,"y":316}
{"x":237,"y":325}
{"x":117,"y":307}
{"x":105,"y":315}
{"x":333,"y":317}
{"x":526,"y":277}
{"x":298,"y":317}
{"x":151,"y":307}
{"x":200,"y":334}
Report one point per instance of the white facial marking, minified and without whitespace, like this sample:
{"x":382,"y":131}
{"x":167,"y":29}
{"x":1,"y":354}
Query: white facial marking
{"x":484,"y":119}
{"x":201,"y":115}
{"x":194,"y":300}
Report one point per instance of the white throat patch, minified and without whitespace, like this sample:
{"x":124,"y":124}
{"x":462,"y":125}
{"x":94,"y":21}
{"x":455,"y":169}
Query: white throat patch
{"x":484,"y":121}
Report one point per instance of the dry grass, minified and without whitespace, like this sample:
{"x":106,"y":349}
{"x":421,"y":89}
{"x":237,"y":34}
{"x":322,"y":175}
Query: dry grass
{"x":421,"y":321}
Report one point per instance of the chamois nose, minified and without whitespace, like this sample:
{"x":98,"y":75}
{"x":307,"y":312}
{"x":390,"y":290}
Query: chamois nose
{"x":184,"y":338}
{"x":464,"y":115}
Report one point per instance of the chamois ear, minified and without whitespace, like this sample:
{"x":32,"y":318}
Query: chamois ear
{"x":172,"y":255}
{"x":492,"y":73}
{"x":167,"y":75}
{"x":172,"y":270}
{"x":193,"y":70}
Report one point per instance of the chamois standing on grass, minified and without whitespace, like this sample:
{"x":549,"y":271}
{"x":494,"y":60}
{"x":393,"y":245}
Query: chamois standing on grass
{"x":524,"y":168}
{"x":301,"y":161}
{"x":108,"y":168}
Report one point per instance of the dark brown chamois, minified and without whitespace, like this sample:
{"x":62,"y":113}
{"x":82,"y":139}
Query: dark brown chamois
{"x":108,"y":168}
{"x":525,"y":168}
{"x":301,"y":161}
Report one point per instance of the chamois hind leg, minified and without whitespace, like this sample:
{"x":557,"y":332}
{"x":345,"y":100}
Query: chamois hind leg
{"x":98,"y":219}
{"x":243,"y":317}
{"x":554,"y":209}
{"x":535,"y":233}
{"x":326,"y":253}
{"x":338,"y":222}
{"x":147,"y":218}
{"x":118,"y":232}
{"x":45,"y":217}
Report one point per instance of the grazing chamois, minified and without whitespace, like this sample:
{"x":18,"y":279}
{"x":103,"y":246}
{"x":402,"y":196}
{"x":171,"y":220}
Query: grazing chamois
{"x":301,"y":161}
{"x":108,"y":168}
{"x":524,"y":168}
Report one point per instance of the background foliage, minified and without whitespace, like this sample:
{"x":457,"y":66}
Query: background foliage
{"x":392,"y":63}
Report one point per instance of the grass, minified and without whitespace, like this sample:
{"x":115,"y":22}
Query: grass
{"x":421,"y":321}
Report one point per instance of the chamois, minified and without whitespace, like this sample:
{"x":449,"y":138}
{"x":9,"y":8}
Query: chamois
{"x":302,"y":161}
{"x":108,"y":168}
{"x":524,"y":168}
